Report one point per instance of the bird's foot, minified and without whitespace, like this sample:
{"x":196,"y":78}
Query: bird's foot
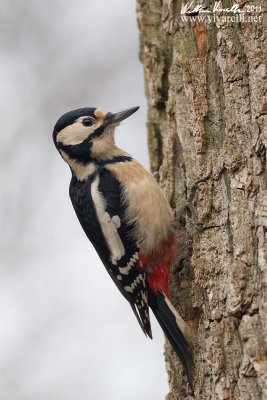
{"x":188,"y":207}
{"x":156,"y":175}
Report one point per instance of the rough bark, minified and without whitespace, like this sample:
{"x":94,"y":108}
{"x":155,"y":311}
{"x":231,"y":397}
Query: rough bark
{"x":206,"y":87}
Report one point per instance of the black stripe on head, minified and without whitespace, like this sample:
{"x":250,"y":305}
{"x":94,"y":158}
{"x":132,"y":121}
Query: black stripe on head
{"x":79,"y":152}
{"x":70,"y":117}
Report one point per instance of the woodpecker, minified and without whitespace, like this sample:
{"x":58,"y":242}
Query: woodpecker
{"x":127,"y":218}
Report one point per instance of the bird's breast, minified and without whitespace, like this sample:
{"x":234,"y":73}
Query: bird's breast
{"x":146,"y":205}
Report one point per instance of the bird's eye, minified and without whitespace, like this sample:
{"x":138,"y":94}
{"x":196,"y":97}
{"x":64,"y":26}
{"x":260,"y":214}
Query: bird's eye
{"x":88,"y":121}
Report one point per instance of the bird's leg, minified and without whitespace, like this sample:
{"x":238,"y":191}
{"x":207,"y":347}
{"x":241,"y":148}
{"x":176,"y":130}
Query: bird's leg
{"x":188,"y":207}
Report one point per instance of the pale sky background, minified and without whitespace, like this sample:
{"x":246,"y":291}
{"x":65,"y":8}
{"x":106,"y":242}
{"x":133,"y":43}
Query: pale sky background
{"x":66,"y":332}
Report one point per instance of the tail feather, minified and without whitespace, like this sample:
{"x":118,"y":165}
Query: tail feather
{"x":176,"y":331}
{"x":142,"y":316}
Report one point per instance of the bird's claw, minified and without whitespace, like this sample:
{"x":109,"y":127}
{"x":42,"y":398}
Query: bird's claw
{"x":188,"y":207}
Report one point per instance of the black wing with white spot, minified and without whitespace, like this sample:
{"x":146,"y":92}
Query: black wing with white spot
{"x":101,"y":212}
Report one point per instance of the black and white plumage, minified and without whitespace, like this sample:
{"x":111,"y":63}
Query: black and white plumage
{"x":127,"y":218}
{"x":97,"y":203}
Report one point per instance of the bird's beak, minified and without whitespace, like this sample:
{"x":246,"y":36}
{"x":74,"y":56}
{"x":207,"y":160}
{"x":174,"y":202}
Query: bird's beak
{"x":121,"y":115}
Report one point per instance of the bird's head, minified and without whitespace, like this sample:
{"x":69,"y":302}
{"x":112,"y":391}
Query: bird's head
{"x":87,"y":134}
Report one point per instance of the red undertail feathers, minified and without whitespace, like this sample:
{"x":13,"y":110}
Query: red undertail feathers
{"x":157,"y":265}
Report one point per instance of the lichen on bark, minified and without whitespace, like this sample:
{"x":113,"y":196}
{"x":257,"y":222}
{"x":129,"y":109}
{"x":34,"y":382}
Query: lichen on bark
{"x":206,"y":85}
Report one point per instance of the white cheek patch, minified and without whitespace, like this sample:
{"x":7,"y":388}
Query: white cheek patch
{"x":76,"y":133}
{"x":108,"y":225}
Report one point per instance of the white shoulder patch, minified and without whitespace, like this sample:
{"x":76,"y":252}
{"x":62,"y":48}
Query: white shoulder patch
{"x":108,"y":225}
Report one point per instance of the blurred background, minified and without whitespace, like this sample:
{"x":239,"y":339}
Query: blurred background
{"x":65,"y":330}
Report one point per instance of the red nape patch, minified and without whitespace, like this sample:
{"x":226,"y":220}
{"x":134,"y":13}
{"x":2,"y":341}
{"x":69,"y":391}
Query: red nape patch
{"x":157,"y":265}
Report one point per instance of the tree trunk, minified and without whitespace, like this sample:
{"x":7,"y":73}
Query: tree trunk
{"x":206,"y":86}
